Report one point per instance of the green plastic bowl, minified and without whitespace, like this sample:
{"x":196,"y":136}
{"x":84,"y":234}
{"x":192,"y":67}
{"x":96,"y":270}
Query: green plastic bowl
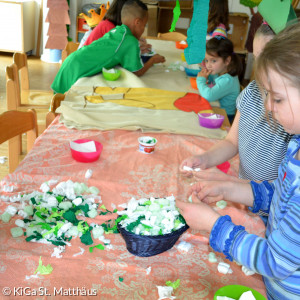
{"x":235,"y":292}
{"x":111,"y":76}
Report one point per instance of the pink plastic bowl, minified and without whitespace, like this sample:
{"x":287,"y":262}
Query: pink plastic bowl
{"x":210,"y":123}
{"x":87,"y":156}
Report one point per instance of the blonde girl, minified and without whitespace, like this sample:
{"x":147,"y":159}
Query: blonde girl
{"x":276,"y":256}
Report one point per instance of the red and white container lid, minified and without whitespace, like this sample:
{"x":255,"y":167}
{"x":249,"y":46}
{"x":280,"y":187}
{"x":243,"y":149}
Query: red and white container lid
{"x":147,"y":144}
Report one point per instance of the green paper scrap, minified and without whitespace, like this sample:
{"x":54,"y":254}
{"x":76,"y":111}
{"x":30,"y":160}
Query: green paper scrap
{"x":277,"y":13}
{"x":196,"y":34}
{"x":43,"y":270}
{"x":176,"y":15}
{"x":175,"y":285}
{"x":86,"y":238}
{"x":103,"y":206}
{"x":121,"y":279}
{"x":100,"y":247}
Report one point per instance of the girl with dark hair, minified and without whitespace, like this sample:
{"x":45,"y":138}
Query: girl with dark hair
{"x":220,"y":60}
{"x":218,"y":15}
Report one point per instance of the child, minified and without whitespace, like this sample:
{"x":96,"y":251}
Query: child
{"x":277,"y":256}
{"x":221,"y":60}
{"x":217,"y":23}
{"x":112,"y":19}
{"x":250,"y":136}
{"x":119,"y":46}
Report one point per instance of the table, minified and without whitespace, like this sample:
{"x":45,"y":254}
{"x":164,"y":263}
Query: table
{"x":120,"y":173}
{"x":159,"y":76}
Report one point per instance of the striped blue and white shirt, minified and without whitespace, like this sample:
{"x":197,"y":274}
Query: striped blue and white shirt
{"x":277,"y":256}
{"x":261,"y":145}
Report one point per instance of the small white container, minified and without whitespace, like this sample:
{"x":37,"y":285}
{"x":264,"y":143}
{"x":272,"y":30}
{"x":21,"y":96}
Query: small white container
{"x":147,"y":144}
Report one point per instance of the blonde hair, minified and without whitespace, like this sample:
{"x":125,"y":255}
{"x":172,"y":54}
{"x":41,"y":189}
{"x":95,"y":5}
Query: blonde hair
{"x":281,"y":54}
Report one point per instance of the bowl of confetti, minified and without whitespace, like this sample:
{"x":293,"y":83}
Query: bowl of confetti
{"x":150,"y":226}
{"x":192,"y":70}
{"x":238,"y":292}
{"x":147,"y":144}
{"x":181,"y":44}
{"x":210,"y":120}
{"x":146,"y":56}
{"x":111,"y":74}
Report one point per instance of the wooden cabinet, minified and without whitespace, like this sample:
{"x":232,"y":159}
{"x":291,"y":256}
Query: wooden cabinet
{"x":165,"y":15}
{"x":81,"y":28}
{"x":17,"y":26}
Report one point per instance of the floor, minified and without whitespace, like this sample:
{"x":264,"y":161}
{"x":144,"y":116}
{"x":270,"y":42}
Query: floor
{"x":41,"y":75}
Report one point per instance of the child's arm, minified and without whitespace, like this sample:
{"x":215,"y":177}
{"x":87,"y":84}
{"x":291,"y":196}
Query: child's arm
{"x":222,"y":88}
{"x":155,"y":59}
{"x":213,"y":191}
{"x":277,"y":256}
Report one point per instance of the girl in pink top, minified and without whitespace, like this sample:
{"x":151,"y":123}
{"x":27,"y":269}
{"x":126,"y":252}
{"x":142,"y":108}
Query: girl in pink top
{"x":111,"y":19}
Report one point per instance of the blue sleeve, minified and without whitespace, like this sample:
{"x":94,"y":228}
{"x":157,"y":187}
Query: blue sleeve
{"x":263,"y":194}
{"x":277,"y":256}
{"x":222,"y":88}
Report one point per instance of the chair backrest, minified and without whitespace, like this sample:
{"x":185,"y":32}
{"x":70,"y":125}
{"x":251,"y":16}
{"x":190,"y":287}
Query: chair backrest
{"x":238,"y":23}
{"x":172,"y":36}
{"x":20,"y":59}
{"x":13,"y":123}
{"x":70,"y":48}
{"x":13,"y":97}
{"x":55,"y":103}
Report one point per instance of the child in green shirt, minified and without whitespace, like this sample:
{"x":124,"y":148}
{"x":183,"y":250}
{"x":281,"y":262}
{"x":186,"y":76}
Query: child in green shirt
{"x":120,"y":46}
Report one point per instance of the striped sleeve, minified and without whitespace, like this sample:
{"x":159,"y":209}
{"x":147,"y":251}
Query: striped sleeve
{"x":276,"y":257}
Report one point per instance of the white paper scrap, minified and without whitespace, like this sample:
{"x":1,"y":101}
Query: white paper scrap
{"x":247,"y":296}
{"x":79,"y":253}
{"x":84,"y":147}
{"x":247,"y":271}
{"x":184,"y":246}
{"x":165,"y":292}
{"x":148,"y":270}
{"x":88,"y":174}
{"x":224,"y":268}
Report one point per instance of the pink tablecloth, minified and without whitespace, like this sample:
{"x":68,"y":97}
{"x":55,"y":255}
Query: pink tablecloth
{"x":121,"y":172}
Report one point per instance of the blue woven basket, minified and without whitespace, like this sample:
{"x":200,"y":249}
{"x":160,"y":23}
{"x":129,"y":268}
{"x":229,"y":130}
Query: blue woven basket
{"x":147,"y":245}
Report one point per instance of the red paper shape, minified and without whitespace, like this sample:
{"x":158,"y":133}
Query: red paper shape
{"x":192,"y":102}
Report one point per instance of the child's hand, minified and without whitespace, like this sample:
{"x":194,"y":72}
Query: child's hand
{"x":204,"y":73}
{"x":215,"y":174}
{"x":199,"y":216}
{"x":156,"y":59}
{"x":145,"y":48}
{"x":209,"y":191}
{"x":197,"y":161}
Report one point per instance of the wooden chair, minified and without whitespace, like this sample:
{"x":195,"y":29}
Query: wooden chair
{"x":172,"y":36}
{"x":70,"y":48}
{"x":222,"y":111}
{"x":55,"y":103}
{"x":29,"y":98}
{"x":13,"y":97}
{"x":14,"y":123}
